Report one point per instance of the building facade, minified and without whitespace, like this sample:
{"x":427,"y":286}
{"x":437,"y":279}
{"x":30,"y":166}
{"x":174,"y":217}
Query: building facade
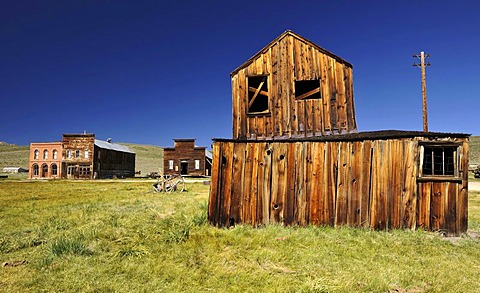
{"x":80,"y":156}
{"x":296,"y":158}
{"x":45,"y":160}
{"x":186,"y":159}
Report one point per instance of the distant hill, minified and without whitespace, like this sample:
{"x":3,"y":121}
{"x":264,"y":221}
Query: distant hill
{"x":12,"y":155}
{"x":149,"y":158}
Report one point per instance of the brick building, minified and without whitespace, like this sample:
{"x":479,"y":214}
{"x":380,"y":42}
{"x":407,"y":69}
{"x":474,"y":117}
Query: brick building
{"x":81,"y":156}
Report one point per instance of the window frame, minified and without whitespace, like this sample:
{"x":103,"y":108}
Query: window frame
{"x":311,"y":94}
{"x":249,"y":89}
{"x":456,"y":161}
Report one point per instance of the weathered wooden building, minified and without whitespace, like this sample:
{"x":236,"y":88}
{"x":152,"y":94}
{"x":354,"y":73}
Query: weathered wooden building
{"x":186,"y":159}
{"x":81,"y":156}
{"x":325,"y":172}
{"x":292,"y":88}
{"x":85,"y":157}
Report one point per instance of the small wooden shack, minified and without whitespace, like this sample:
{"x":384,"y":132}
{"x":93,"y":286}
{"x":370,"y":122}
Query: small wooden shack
{"x":299,"y":160}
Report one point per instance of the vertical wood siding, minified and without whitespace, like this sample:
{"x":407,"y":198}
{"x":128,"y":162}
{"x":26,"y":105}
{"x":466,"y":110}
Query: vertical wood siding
{"x":370,"y":183}
{"x":288,"y":60}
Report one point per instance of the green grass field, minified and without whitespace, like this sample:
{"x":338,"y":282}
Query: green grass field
{"x":117,"y":236}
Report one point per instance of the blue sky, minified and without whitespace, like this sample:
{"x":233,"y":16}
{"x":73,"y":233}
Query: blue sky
{"x":149,"y":71}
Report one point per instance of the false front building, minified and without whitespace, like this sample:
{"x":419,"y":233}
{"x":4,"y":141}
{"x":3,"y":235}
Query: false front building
{"x":81,"y":156}
{"x":296,"y":157}
{"x":186,"y":159}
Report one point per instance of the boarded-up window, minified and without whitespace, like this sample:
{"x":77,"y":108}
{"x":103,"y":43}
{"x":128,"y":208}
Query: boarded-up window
{"x":69,"y":154}
{"x":86,"y":154}
{"x":307,"y":89}
{"x":197,"y":164}
{"x":258,"y":95}
{"x":170,"y":164}
{"x":439,"y":161}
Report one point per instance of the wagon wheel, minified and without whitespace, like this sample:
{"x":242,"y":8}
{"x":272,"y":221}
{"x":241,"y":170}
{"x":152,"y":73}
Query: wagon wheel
{"x":170,"y":185}
{"x":180,"y":184}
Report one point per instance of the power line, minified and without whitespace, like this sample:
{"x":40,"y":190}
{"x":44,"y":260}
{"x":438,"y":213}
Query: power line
{"x":422,"y":65}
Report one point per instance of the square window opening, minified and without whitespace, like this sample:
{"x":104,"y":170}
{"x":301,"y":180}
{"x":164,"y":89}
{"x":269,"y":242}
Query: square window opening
{"x":258,"y":94}
{"x":440,"y":161}
{"x":307,"y":89}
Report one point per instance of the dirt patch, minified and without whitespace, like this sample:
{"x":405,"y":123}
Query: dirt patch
{"x":474,"y":186}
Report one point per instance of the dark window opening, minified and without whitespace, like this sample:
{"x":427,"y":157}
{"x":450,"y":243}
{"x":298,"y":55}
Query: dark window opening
{"x":184,"y":168}
{"x":307,"y":89}
{"x":44,"y":170}
{"x":257,"y":94}
{"x":438,"y":160}
{"x":54,"y":169}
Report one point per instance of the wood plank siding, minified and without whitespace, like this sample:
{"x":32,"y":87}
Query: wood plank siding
{"x":185,"y":159}
{"x":306,"y":91}
{"x":349,"y":181}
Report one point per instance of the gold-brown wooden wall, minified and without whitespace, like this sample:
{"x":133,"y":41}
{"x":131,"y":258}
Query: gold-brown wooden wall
{"x":285,"y":61}
{"x":371,"y":183}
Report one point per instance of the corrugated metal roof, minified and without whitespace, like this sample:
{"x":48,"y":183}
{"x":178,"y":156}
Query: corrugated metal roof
{"x":112,"y":146}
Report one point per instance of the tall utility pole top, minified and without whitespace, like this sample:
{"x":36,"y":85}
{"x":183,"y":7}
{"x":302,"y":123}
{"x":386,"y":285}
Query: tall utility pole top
{"x":422,"y":65}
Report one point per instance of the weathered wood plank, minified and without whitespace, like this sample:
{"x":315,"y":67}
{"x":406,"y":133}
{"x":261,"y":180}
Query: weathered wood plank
{"x":290,"y":202}
{"x":254,"y":183}
{"x":235,"y":105}
{"x":226,"y":190}
{"x":326,"y":96}
{"x":462,"y":202}
{"x":236,"y":207}
{"x":300,"y":186}
{"x":410,"y":183}
{"x":349,"y":98}
{"x":276,"y":92}
{"x":355,"y":185}
{"x":341,"y":203}
{"x":438,"y":206}
{"x":247,"y":195}
{"x":242,"y":106}
{"x":277,"y":203}
{"x":316,"y":198}
{"x":267,"y":183}
{"x":423,"y":205}
{"x":341,"y":98}
{"x":214,"y":197}
{"x":451,"y":208}
{"x":366,"y":183}
{"x":333,"y":95}
{"x":331,"y":168}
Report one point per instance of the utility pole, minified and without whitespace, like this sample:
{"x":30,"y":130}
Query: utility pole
{"x":422,"y":65}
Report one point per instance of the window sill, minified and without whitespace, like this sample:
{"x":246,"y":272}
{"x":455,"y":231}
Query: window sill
{"x":264,"y":113}
{"x":439,"y":178}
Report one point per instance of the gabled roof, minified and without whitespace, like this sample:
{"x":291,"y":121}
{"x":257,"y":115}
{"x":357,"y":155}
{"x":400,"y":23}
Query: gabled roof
{"x":112,"y":146}
{"x":289,"y":33}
